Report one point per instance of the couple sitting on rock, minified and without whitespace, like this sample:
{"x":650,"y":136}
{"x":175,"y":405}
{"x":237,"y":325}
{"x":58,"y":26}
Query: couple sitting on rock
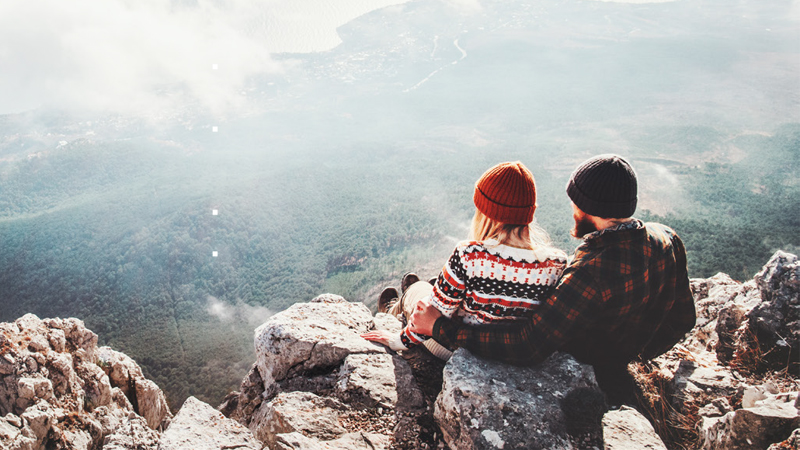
{"x":506,"y":294}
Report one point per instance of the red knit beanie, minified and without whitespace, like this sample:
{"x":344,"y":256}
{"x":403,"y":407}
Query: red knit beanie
{"x":507,"y":193}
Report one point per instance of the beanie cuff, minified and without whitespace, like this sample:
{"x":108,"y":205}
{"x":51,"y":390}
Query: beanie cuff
{"x":604,"y":210}
{"x":514,"y":215}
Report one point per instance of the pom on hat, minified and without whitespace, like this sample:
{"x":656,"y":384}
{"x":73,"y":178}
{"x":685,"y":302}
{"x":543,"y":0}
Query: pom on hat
{"x":507,"y":193}
{"x":604,"y":186}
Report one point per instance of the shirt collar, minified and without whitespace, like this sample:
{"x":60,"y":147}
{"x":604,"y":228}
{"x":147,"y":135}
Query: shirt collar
{"x":633,"y":224}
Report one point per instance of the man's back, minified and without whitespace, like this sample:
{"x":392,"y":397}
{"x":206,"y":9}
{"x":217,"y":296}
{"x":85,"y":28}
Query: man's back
{"x":645,"y":304}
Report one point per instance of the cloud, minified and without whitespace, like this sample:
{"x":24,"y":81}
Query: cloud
{"x":240,"y":312}
{"x":154,"y":56}
{"x":465,"y":6}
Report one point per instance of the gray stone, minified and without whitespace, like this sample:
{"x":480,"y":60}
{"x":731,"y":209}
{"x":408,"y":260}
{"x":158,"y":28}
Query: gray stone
{"x":55,"y":393}
{"x":125,"y":374}
{"x":378,"y":380}
{"x":388,"y":322}
{"x":198,"y":426}
{"x":771,"y":419}
{"x":315,"y":377}
{"x":310,"y":336}
{"x":627,"y":429}
{"x":487,"y":405}
{"x":774,"y":324}
{"x":13,"y":436}
{"x":732,"y":321}
{"x":695,"y":383}
{"x":350,"y":441}
{"x":791,"y":443}
{"x":302,"y":412}
{"x":328,"y":298}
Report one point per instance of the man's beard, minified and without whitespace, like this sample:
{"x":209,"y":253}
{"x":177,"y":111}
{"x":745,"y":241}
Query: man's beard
{"x":583,"y":226}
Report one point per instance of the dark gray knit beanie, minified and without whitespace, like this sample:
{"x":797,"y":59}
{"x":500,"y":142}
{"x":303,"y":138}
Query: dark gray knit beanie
{"x":604,"y":186}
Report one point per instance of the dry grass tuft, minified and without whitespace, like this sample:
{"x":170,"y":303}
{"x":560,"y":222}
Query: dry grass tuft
{"x":677,"y":430}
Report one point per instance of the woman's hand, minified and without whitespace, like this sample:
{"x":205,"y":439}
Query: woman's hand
{"x":387,"y":338}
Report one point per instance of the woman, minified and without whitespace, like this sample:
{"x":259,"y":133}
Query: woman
{"x":501,"y":274}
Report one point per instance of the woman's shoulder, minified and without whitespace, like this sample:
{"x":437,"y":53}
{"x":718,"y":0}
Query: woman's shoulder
{"x":548,"y":253}
{"x":542,"y":253}
{"x":475,"y":245}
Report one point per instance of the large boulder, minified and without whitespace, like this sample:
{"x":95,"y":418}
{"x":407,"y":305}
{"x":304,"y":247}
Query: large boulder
{"x":627,"y":429}
{"x":145,"y":396}
{"x":764,"y":418}
{"x":56,"y":392}
{"x":488,"y":405}
{"x":317,"y":384}
{"x":774,"y":324}
{"x":198,"y":426}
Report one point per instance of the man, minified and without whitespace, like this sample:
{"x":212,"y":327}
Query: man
{"x":625,"y":295}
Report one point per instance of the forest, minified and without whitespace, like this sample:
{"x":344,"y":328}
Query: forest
{"x":121,"y":234}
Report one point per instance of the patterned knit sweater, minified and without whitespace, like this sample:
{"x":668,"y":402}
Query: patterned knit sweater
{"x":486,"y":283}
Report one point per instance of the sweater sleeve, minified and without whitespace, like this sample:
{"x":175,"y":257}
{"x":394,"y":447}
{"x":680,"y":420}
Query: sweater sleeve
{"x":451,"y":286}
{"x":447,"y":295}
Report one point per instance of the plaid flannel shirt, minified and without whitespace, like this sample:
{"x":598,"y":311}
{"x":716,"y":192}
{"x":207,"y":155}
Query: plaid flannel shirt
{"x":624,"y":296}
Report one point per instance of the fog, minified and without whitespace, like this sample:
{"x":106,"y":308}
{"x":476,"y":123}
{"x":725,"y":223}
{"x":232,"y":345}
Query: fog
{"x":154,"y":57}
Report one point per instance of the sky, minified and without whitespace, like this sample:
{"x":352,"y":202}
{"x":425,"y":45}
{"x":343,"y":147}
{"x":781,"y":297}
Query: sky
{"x":155,"y":56}
{"x":134,"y":55}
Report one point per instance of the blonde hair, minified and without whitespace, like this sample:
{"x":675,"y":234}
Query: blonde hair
{"x":530,"y":235}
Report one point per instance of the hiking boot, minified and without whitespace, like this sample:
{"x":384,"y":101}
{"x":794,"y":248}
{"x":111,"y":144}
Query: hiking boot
{"x":387,"y":299}
{"x":408,"y":279}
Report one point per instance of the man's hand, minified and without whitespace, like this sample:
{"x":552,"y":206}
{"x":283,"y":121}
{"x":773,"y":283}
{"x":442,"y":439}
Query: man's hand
{"x":425,"y":315}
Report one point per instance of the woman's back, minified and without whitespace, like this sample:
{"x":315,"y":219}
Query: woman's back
{"x":487,"y":282}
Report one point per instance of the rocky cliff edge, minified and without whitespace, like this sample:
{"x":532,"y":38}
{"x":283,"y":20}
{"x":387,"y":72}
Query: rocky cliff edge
{"x":731,"y":384}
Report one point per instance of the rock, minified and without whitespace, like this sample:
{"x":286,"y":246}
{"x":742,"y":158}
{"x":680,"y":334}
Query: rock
{"x":152,"y":404}
{"x":378,"y":380}
{"x":198,"y":426}
{"x":314,"y":375}
{"x":774,"y":324}
{"x":309,"y":336}
{"x":350,"y":441}
{"x":388,"y":322}
{"x":695,"y":384}
{"x":328,"y":298}
{"x":792,"y":443}
{"x":241,"y":405}
{"x":133,"y":433}
{"x":144,"y":395}
{"x":14,"y":436}
{"x":54,"y":394}
{"x":771,"y":419}
{"x":732,"y":323}
{"x":302,"y":412}
{"x":487,"y":405}
{"x":627,"y":429}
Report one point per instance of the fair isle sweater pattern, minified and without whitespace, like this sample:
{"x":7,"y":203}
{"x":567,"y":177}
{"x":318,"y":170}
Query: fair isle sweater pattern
{"x":486,"y":283}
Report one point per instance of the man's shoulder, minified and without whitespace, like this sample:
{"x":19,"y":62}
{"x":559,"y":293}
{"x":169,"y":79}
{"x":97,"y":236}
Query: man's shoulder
{"x":660,"y":228}
{"x":660,"y":235}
